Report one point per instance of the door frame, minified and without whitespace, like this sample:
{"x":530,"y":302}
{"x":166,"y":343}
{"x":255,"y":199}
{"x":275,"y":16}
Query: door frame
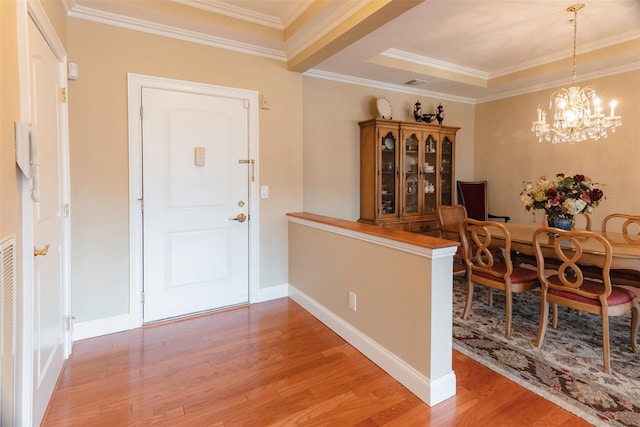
{"x":135,"y":84}
{"x":24,"y":387}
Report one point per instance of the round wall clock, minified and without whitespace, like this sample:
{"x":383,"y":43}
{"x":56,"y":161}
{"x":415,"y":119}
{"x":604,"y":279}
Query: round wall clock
{"x":384,"y":107}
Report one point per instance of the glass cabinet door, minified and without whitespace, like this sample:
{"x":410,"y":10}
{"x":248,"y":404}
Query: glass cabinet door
{"x":388,"y":171}
{"x":446,"y":172}
{"x":429,"y":185}
{"x":411,"y":179}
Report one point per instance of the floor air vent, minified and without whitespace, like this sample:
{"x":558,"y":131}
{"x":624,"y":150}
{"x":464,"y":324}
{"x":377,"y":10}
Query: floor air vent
{"x":7,"y":330}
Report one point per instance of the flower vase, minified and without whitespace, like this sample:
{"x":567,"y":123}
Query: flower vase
{"x":563,"y":223}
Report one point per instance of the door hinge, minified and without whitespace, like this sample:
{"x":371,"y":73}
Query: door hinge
{"x":141,"y":200}
{"x":253,"y":167}
{"x":65,"y":209}
{"x":68,"y":320}
{"x":63,"y":94}
{"x":142,"y":297}
{"x":141,"y":111}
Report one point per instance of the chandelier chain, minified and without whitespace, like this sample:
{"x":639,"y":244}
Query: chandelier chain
{"x":575,"y":37}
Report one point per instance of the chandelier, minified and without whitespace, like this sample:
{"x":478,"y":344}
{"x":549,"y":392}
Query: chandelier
{"x":577,"y":114}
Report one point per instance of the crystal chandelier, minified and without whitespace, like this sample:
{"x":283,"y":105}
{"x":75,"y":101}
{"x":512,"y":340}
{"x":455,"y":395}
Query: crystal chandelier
{"x":577,"y":113}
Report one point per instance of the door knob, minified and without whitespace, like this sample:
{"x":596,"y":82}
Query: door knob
{"x":240,"y":218}
{"x":41,"y":252}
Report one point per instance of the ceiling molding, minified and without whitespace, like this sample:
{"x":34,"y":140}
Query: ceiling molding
{"x":248,"y":15}
{"x":386,"y":86}
{"x":320,"y":29}
{"x":234,"y":11}
{"x":434,"y":63}
{"x":561,"y":82}
{"x":68,"y":5}
{"x":584,"y":49}
{"x":136,"y":24}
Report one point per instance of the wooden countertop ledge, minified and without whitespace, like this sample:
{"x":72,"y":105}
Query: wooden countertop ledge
{"x":421,"y":240}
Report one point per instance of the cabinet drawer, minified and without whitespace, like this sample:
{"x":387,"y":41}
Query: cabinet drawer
{"x":394,"y":226}
{"x":425,"y":227}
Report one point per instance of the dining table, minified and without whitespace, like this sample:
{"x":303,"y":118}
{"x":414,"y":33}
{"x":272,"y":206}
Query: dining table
{"x":626,"y":249}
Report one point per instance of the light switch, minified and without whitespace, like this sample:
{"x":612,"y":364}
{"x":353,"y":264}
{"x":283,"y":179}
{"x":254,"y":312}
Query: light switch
{"x":199,"y":156}
{"x":264,"y":191}
{"x":72,"y":74}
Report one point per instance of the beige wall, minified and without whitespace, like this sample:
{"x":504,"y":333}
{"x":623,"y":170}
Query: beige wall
{"x":99,"y":146}
{"x":332,"y":111}
{"x":507,"y":153}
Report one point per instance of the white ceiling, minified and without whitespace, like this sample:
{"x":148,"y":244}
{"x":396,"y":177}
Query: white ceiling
{"x":469,"y":50}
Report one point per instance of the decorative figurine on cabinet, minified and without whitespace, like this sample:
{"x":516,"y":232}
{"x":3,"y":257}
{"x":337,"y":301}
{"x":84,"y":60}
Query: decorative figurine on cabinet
{"x":427,"y":118}
{"x":417,"y":111}
{"x":440,"y":115}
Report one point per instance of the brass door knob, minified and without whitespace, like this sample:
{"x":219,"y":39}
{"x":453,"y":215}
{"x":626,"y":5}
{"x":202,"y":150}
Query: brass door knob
{"x":41,"y":252}
{"x":240,"y":218}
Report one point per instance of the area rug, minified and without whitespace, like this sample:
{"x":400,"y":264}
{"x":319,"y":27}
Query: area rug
{"x":567,"y":369}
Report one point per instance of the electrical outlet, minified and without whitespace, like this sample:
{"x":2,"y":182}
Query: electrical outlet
{"x":352,"y":301}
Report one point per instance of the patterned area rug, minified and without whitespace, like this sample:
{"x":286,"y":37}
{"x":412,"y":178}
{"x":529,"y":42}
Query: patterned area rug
{"x":567,"y":369}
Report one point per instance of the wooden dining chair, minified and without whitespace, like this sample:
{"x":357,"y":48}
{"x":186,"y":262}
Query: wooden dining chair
{"x":629,"y":226}
{"x":451,"y":218}
{"x":479,"y":241}
{"x":473,"y":196}
{"x":570,"y":287}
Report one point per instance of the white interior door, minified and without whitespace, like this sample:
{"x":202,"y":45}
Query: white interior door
{"x":194,"y":184}
{"x":49,"y":180}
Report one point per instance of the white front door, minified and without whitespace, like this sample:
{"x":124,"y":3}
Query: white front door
{"x":49,"y":186}
{"x":195,"y":188}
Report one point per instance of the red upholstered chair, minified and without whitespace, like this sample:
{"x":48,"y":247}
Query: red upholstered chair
{"x":473,"y":195}
{"x":571,"y":288}
{"x":479,"y":241}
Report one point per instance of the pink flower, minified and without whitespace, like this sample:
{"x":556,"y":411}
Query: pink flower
{"x":553,"y":196}
{"x":586,"y":197}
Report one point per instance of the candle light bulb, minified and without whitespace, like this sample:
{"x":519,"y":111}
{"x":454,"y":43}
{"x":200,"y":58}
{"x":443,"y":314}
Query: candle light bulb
{"x":613,"y":107}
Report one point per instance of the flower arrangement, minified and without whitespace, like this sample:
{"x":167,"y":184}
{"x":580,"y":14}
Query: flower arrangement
{"x":562,"y":196}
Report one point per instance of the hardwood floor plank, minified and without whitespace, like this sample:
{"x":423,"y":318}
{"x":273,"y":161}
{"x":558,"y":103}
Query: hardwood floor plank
{"x":271,"y":363}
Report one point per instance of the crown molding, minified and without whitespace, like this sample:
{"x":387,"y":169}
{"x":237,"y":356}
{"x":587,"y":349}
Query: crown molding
{"x":237,"y":12}
{"x":342,"y":78}
{"x":586,"y":48}
{"x":312,"y":34}
{"x":234,"y":11}
{"x":561,"y":82}
{"x":434,"y":63}
{"x":136,"y":24}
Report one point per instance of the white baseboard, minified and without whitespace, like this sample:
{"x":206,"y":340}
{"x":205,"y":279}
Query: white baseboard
{"x":273,"y":292}
{"x":110,"y":325}
{"x":95,"y":328}
{"x":431,"y":391}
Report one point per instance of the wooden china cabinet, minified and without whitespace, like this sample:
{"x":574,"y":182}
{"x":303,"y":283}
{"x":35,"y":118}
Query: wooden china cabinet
{"x":406,"y":173}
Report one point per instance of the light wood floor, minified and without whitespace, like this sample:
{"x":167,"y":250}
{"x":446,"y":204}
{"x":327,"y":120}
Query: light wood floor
{"x":268,"y":364}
